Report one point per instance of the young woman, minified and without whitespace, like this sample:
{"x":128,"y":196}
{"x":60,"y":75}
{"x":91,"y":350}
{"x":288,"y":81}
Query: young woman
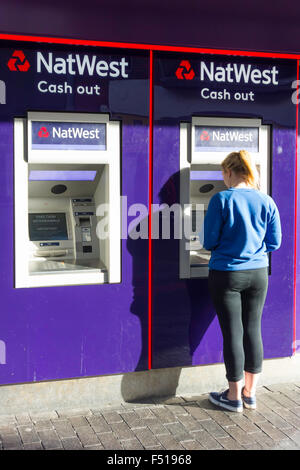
{"x":241,"y":226}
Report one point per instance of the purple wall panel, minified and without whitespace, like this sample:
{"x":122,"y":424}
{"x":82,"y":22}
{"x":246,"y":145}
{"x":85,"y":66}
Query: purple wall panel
{"x":185,"y":327}
{"x":75,"y":331}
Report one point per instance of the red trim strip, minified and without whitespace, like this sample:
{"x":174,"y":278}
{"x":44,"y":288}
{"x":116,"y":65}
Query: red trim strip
{"x":148,"y":47}
{"x":296,"y":212}
{"x":150,"y":211}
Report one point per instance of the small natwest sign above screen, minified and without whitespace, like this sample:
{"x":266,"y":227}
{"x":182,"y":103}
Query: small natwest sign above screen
{"x":218,"y":139}
{"x":68,"y":136}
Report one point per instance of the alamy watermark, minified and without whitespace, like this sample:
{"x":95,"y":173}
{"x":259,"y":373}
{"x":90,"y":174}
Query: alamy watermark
{"x":295,"y":94}
{"x":167,"y":222}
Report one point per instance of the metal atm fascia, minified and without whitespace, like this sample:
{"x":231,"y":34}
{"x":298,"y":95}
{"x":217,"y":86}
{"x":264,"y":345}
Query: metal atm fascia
{"x":210,"y":162}
{"x":80,"y":267}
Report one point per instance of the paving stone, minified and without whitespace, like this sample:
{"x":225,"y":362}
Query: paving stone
{"x":293,"y":395}
{"x":256,"y":446}
{"x":78,"y":421}
{"x":145,"y":413}
{"x":179,"y":431}
{"x":287,"y":444}
{"x":64,"y":428}
{"x":240,"y":436}
{"x":177,"y":410}
{"x":289,"y":417}
{"x":170,"y":443}
{"x":50,"y":439}
{"x":122,"y":431}
{"x":266,"y":399}
{"x":296,"y":410}
{"x":112,"y":417}
{"x":244,"y":423}
{"x":11,"y":441}
{"x":146,"y":437}
{"x":33,"y":446}
{"x":206,"y":440}
{"x":273,"y":417}
{"x":281,"y":387}
{"x":190,"y":423}
{"x":220,"y":417}
{"x":132,"y":444}
{"x":133,"y":420}
{"x":87,"y":436}
{"x":71,"y":443}
{"x":271,"y":431}
{"x":157,"y":448}
{"x":283,"y":400}
{"x":28,"y":434}
{"x":164,"y":415}
{"x":294,"y":435}
{"x":254,"y":416}
{"x":94,"y":447}
{"x":109,"y":441}
{"x":214,"y":429}
{"x":264,"y":440}
{"x":42,"y":425}
{"x":192,"y":445}
{"x":197,"y":412}
{"x":157,"y":428}
{"x":229,"y":443}
{"x":98,"y":424}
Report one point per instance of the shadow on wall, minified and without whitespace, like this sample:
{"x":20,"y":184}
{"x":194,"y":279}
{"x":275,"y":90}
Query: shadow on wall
{"x":181,"y":308}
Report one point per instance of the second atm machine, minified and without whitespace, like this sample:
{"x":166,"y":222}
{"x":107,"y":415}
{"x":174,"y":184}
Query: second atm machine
{"x":203,"y":146}
{"x":67,"y":199}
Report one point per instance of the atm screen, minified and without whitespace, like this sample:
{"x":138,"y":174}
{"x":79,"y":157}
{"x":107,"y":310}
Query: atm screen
{"x":48,"y":226}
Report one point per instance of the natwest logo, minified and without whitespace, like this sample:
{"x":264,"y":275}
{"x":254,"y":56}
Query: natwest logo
{"x":204,"y":135}
{"x":185,"y":71}
{"x":18,"y":62}
{"x":43,"y":132}
{"x":77,"y":64}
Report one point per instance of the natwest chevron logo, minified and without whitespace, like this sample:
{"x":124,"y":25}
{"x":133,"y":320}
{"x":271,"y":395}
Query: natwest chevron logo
{"x":43,"y":132}
{"x":185,"y":71}
{"x":18,"y":62}
{"x":204,"y":135}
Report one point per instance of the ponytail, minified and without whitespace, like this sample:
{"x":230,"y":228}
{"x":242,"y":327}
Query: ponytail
{"x":241,"y":163}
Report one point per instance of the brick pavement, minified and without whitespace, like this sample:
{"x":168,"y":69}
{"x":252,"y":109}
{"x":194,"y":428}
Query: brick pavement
{"x":177,"y":423}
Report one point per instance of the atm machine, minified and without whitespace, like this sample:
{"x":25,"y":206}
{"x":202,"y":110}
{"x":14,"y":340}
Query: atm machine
{"x":204,"y":143}
{"x":67,"y":199}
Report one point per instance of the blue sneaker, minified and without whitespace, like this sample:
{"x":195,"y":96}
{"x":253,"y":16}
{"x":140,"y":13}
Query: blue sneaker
{"x":249,"y":402}
{"x":220,"y":399}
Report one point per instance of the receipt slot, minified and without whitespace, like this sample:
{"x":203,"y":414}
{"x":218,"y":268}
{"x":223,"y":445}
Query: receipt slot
{"x":203,"y":146}
{"x":67,"y":200}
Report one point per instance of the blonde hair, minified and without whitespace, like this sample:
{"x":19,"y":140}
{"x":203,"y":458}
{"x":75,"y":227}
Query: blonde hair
{"x":241,"y":163}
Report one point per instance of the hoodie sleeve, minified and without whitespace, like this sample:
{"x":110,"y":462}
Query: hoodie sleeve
{"x":273,"y":232}
{"x":213,"y":223}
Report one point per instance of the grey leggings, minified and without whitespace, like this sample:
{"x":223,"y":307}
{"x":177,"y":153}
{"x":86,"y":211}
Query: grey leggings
{"x":239,"y":297}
